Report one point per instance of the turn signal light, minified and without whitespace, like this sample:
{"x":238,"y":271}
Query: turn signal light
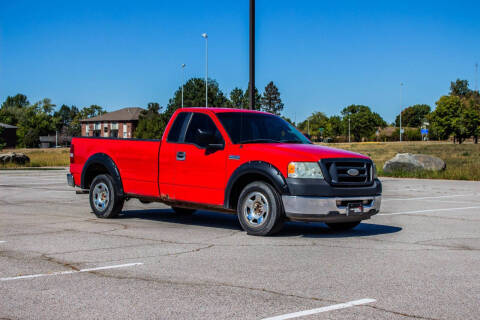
{"x":291,"y":168}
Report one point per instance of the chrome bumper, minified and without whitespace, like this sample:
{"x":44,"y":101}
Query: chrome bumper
{"x":70,"y":180}
{"x":326,"y":209}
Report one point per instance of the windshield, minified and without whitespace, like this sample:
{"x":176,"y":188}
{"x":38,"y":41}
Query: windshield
{"x":243,"y":127}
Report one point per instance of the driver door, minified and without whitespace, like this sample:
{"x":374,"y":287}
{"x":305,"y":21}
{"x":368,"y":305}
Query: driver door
{"x":200,"y":172}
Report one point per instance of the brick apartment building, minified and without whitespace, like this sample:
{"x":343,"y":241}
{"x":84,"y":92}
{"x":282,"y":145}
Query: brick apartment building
{"x":116,"y":124}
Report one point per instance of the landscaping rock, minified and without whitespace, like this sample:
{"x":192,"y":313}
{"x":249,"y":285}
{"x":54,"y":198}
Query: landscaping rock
{"x":413,"y":162}
{"x":12,"y":157}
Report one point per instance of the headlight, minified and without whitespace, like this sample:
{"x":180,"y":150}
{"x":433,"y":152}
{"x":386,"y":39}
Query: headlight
{"x":374,"y":171}
{"x":309,"y":170}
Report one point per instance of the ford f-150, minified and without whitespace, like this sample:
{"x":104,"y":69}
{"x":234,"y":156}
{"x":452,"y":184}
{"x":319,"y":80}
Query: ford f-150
{"x":250,"y":163}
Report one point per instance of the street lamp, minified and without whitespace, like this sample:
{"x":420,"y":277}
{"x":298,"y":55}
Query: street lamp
{"x":205,"y":36}
{"x":183,"y":79}
{"x":401,"y":103}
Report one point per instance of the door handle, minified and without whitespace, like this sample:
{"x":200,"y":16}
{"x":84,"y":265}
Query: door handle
{"x":181,"y":156}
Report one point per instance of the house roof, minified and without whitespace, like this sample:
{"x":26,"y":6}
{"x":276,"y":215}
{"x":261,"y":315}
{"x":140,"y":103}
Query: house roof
{"x":125,"y":114}
{"x":7,"y":126}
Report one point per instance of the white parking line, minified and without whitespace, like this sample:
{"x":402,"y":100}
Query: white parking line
{"x":424,"y":198}
{"x":3,"y":241}
{"x":322,"y":309}
{"x":429,"y":210}
{"x":71,"y":271}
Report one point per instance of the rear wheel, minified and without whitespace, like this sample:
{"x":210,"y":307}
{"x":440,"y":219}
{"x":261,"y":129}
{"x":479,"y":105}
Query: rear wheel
{"x":183,"y":211}
{"x":343,"y":226}
{"x":260,"y":209}
{"x":104,"y":199}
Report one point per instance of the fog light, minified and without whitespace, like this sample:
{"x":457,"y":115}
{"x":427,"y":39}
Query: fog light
{"x":366,"y":201}
{"x":339,"y":203}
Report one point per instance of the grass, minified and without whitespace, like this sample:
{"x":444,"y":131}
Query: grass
{"x":463,"y":161}
{"x":41,"y":158}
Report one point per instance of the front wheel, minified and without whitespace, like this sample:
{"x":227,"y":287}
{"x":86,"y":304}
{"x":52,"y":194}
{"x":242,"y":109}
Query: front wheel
{"x":260,"y":209}
{"x":343,"y":226}
{"x":104,"y":199}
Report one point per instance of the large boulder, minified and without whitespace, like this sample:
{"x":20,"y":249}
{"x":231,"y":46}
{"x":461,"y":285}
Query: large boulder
{"x":12,"y":157}
{"x":413,"y":162}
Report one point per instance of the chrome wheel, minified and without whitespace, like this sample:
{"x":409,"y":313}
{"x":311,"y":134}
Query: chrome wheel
{"x":101,"y":196}
{"x":256,"y":209}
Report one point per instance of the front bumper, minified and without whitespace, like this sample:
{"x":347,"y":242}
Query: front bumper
{"x":70,"y":180}
{"x":328,"y":209}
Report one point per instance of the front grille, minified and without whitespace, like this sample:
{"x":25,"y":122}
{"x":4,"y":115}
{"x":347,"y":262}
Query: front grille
{"x":347,"y":172}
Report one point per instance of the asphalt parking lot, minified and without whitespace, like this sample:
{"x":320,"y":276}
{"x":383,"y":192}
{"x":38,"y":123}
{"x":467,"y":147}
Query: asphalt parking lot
{"x":418,"y":259}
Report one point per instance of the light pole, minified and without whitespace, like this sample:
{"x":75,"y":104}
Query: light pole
{"x":401,"y":103}
{"x":205,"y":36}
{"x":183,"y":79}
{"x":251,"y":87}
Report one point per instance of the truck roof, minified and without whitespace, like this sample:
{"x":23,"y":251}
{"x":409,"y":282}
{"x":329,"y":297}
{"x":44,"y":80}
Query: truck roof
{"x":221,"y":110}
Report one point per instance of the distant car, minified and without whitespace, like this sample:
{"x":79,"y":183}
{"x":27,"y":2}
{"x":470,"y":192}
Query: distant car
{"x":250,"y":163}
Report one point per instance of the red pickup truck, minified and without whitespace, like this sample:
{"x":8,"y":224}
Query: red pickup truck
{"x":250,"y":163}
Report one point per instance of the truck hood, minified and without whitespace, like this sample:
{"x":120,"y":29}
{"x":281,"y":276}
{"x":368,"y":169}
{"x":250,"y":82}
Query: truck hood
{"x":302,"y":152}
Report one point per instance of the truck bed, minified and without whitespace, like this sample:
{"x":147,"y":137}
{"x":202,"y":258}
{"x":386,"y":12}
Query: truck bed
{"x":136,"y":161}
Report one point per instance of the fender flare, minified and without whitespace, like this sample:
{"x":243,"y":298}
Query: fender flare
{"x":265,"y":169}
{"x":104,"y":160}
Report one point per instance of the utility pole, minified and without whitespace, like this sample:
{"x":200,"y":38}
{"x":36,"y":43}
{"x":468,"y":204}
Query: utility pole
{"x":308,"y":126}
{"x":401,"y":103}
{"x":251,"y":83}
{"x":183,"y":79}
{"x":205,"y":36}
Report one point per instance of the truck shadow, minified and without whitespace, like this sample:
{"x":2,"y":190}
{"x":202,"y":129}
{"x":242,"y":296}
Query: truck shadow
{"x":228,"y":221}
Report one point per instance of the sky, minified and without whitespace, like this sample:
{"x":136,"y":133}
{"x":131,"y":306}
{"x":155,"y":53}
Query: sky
{"x":322,"y":55}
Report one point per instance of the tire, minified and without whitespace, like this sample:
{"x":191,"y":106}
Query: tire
{"x":343,"y":226}
{"x":104,"y":199}
{"x":260,"y":209}
{"x":183,"y":211}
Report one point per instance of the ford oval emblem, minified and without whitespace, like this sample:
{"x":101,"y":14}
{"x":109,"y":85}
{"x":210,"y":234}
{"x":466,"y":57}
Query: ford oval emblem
{"x":353,"y":172}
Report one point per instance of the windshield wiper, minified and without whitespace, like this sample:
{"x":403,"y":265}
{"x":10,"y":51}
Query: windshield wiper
{"x":259,"y":141}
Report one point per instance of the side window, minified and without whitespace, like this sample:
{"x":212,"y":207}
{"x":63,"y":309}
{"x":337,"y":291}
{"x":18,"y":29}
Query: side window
{"x":176,"y":128}
{"x":202,"y":131}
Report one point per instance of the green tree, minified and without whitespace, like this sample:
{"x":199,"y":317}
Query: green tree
{"x":472,"y":115}
{"x":271,"y":101}
{"x":65,"y":120}
{"x":194,"y":96}
{"x":17,"y":101}
{"x":236,"y":98}
{"x":11,"y":109}
{"x":33,"y":123}
{"x":459,"y":88}
{"x":448,"y":118}
{"x":152,"y":123}
{"x":47,"y":105}
{"x":334,"y":127}
{"x":413,"y":116}
{"x":363,"y":122}
{"x":314,"y":125}
{"x":75,"y":126}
